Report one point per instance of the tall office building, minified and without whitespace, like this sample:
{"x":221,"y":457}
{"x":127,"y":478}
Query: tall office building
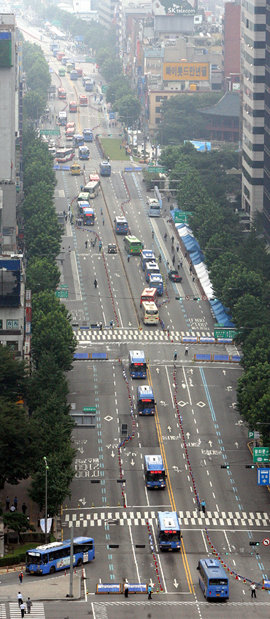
{"x":253,"y":87}
{"x":266,"y":196}
{"x":231,"y":43}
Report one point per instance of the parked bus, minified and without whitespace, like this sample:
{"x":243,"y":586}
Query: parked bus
{"x":92,"y":188}
{"x":75,"y":169}
{"x":156,"y":281}
{"x":73,"y":107}
{"x":78,"y":140}
{"x":83,"y":101}
{"x":169,"y":532}
{"x":151,"y":268}
{"x":145,"y":400}
{"x":62,"y":118}
{"x":133,"y":245}
{"x":84,"y":152}
{"x":154,"y":209}
{"x":105,"y":168}
{"x":61,"y":93}
{"x":146,"y":256}
{"x":137,"y":364}
{"x":213,"y":579}
{"x":121,"y":225}
{"x":149,"y":311}
{"x":73,"y":74}
{"x":89,"y":86}
{"x":62,"y":72}
{"x":154,"y":472}
{"x":49,"y":558}
{"x":148,"y":294}
{"x":88,"y":216}
{"x":88,"y":135}
{"x":82,"y":197}
{"x":82,"y":204}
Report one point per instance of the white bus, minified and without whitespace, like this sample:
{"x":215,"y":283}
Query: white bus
{"x":150,"y":315}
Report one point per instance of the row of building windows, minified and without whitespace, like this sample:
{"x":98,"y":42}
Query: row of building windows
{"x":254,"y":44}
{"x":255,"y":113}
{"x":252,"y":181}
{"x":255,"y":79}
{"x":254,"y":10}
{"x":256,"y":165}
{"x":256,"y":62}
{"x":253,"y":27}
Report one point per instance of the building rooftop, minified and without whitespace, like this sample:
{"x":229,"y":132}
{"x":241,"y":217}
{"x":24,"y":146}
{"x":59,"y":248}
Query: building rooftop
{"x":228,"y":105}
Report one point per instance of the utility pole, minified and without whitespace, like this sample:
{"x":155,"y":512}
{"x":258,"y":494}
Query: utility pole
{"x":71,"y":564}
{"x":46,"y":497}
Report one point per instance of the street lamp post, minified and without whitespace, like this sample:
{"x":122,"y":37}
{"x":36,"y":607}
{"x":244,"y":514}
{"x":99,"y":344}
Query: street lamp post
{"x":46,"y":496}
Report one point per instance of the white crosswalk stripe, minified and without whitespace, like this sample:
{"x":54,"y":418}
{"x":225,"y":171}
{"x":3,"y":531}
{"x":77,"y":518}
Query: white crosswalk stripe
{"x":188,"y":518}
{"x":124,"y":335}
{"x":3,"y":614}
{"x":37,"y":611}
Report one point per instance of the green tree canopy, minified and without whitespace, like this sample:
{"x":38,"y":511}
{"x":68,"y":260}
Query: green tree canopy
{"x":128,"y":108}
{"x":12,"y":375}
{"x":42,"y":274}
{"x":17,"y":443}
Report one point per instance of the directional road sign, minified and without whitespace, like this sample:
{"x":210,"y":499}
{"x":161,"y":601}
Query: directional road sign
{"x":221,"y":332}
{"x":263,"y":477}
{"x":254,"y":434}
{"x":89,"y":409}
{"x":61,"y":294}
{"x":261,"y":454}
{"x":49,"y":131}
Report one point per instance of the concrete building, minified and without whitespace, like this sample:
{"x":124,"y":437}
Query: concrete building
{"x":253,"y":92}
{"x":266,"y":196}
{"x":231,"y":43}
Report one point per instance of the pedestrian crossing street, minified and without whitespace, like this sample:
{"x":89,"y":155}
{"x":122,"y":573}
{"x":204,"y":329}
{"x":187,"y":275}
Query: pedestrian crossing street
{"x":135,"y":335}
{"x":37,"y":611}
{"x":189,"y":518}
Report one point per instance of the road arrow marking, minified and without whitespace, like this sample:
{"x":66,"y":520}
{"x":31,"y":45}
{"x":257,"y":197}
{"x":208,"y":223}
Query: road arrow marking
{"x":175,"y":583}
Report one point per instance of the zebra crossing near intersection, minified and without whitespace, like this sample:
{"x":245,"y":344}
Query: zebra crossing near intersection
{"x":83,"y":336}
{"x":37,"y":611}
{"x":3,"y":611}
{"x":194,"y":518}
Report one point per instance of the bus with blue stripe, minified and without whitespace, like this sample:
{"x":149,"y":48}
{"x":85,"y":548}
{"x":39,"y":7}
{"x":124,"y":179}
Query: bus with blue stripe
{"x":146,"y":256}
{"x":121,"y":225}
{"x":105,"y":168}
{"x":213,"y":579}
{"x":137,"y":364}
{"x":156,"y":281}
{"x":145,"y":400}
{"x":169,"y":531}
{"x":151,"y":268}
{"x":50,"y":558}
{"x":154,"y":472}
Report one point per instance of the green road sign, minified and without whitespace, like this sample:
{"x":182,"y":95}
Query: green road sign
{"x":261,"y":454}
{"x":49,"y":131}
{"x":156,"y":169}
{"x":61,"y":294}
{"x":63,"y":286}
{"x":181,"y":217}
{"x":220,"y":332}
{"x":254,"y":434}
{"x":104,"y":88}
{"x":89,"y":409}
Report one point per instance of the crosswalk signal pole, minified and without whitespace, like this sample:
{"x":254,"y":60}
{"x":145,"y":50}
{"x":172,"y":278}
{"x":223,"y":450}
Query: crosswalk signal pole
{"x":71,"y":564}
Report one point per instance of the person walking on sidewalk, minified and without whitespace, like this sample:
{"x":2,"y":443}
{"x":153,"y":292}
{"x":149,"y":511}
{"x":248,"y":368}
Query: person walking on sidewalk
{"x":19,"y":598}
{"x":15,"y":502}
{"x":29,"y":604}
{"x":253,"y":590}
{"x":7,"y":503}
{"x":22,"y":609}
{"x":21,"y":577}
{"x":126,"y":588}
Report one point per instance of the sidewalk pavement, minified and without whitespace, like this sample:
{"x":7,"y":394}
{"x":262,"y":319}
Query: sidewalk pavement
{"x":42,"y":588}
{"x":21,"y":492}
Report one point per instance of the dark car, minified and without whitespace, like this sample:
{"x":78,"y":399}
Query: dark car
{"x":174,"y":276}
{"x":112,"y":248}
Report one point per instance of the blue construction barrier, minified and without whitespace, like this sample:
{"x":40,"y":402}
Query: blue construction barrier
{"x":98,"y":355}
{"x":221,"y":358}
{"x":224,"y":340}
{"x":235,"y":358}
{"x":137,"y":169}
{"x":108,"y":587}
{"x":190,"y":339}
{"x":207,"y":340}
{"x":203,"y":357}
{"x":137,"y":588}
{"x":78,"y":356}
{"x":84,"y":328}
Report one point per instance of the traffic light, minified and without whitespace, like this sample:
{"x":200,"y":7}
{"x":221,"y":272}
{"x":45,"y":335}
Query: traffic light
{"x":250,"y":466}
{"x":224,"y":466}
{"x":254,"y":543}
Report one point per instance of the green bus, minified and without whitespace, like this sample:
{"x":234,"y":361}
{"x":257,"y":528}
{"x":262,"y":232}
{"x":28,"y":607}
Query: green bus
{"x":132,"y":245}
{"x":62,"y":72}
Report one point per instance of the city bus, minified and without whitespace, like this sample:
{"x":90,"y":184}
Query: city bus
{"x":70,"y":134}
{"x":156,"y":281}
{"x":94,"y":178}
{"x":92,"y":188}
{"x":121,"y":225}
{"x":64,"y":153}
{"x":62,"y":118}
{"x":49,"y":558}
{"x":169,"y":532}
{"x":155,"y":204}
{"x":88,"y":135}
{"x":84,"y":152}
{"x":154,"y":472}
{"x":145,"y":400}
{"x":148,"y":294}
{"x":133,"y":245}
{"x":146,"y":256}
{"x":82,"y":204}
{"x":213,"y":579}
{"x":78,"y":140}
{"x":88,"y":216}
{"x":61,"y":93}
{"x":105,"y":168}
{"x":62,"y":72}
{"x":73,"y":74}
{"x":73,"y":107}
{"x":82,"y":197}
{"x":137,"y":364}
{"x":70,"y":65}
{"x":89,"y":85}
{"x":83,"y":100}
{"x":149,"y":312}
{"x":151,"y":268}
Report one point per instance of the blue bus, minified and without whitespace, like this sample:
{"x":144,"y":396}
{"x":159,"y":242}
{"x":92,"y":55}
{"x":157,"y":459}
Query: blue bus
{"x":154,"y":472}
{"x":78,"y":140}
{"x":73,"y":74}
{"x":146,"y":256}
{"x":84,"y":152}
{"x":121,"y":225}
{"x":156,"y":281}
{"x":105,"y":168}
{"x":151,"y":268}
{"x":169,"y":532}
{"x":88,"y":135}
{"x":145,"y":400}
{"x":213,"y":579}
{"x":137,"y":364}
{"x":50,"y":558}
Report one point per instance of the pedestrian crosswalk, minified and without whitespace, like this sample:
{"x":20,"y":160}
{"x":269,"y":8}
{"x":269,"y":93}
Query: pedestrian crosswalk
{"x":3,"y":611}
{"x":83,"y":336}
{"x":188,"y":518}
{"x":37,"y":611}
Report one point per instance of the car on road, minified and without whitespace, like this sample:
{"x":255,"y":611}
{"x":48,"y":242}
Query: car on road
{"x":112,"y":248}
{"x":174,"y":276}
{"x":65,"y":159}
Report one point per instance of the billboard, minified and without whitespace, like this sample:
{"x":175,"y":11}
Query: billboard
{"x":10,"y":283}
{"x":185,"y":71}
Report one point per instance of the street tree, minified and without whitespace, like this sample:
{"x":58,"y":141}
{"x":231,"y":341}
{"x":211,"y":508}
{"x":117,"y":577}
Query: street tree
{"x":128,"y":108}
{"x":17,"y":443}
{"x":42,"y":274}
{"x":241,"y":282}
{"x":60,"y":474}
{"x":12,"y":375}
{"x":15,"y":521}
{"x":33,"y":105}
